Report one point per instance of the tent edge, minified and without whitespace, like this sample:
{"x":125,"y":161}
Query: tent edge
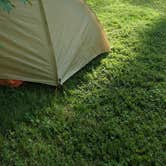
{"x":100,"y":53}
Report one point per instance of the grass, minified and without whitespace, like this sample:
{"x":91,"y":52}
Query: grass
{"x":113,"y":112}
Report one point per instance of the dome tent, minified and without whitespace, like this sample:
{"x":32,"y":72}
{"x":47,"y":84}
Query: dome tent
{"x":48,"y":41}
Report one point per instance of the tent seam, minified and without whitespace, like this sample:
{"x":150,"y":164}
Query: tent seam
{"x":52,"y":51}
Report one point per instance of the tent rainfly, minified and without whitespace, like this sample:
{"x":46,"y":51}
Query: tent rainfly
{"x":48,"y":41}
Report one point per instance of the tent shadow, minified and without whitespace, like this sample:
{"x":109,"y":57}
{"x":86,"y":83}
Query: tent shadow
{"x":16,"y":104}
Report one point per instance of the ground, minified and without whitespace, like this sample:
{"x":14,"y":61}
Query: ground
{"x":113,"y":112}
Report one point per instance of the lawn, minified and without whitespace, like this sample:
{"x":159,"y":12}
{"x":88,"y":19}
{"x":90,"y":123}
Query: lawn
{"x":113,"y":112}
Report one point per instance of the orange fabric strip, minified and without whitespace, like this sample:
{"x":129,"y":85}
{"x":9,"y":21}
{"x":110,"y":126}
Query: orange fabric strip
{"x":11,"y":83}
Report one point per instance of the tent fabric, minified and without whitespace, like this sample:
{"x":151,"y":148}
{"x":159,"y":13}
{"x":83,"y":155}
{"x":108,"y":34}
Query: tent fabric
{"x":48,"y":41}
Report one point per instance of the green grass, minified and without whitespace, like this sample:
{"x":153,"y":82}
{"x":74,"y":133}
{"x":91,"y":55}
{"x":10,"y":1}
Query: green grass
{"x":113,"y":112}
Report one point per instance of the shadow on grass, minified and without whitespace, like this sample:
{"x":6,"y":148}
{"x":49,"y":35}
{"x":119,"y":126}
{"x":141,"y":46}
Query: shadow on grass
{"x":16,"y":103}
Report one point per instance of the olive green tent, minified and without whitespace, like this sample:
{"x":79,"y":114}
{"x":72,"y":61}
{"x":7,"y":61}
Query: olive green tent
{"x":48,"y":41}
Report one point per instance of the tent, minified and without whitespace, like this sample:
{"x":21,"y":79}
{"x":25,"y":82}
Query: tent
{"x":48,"y":41}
